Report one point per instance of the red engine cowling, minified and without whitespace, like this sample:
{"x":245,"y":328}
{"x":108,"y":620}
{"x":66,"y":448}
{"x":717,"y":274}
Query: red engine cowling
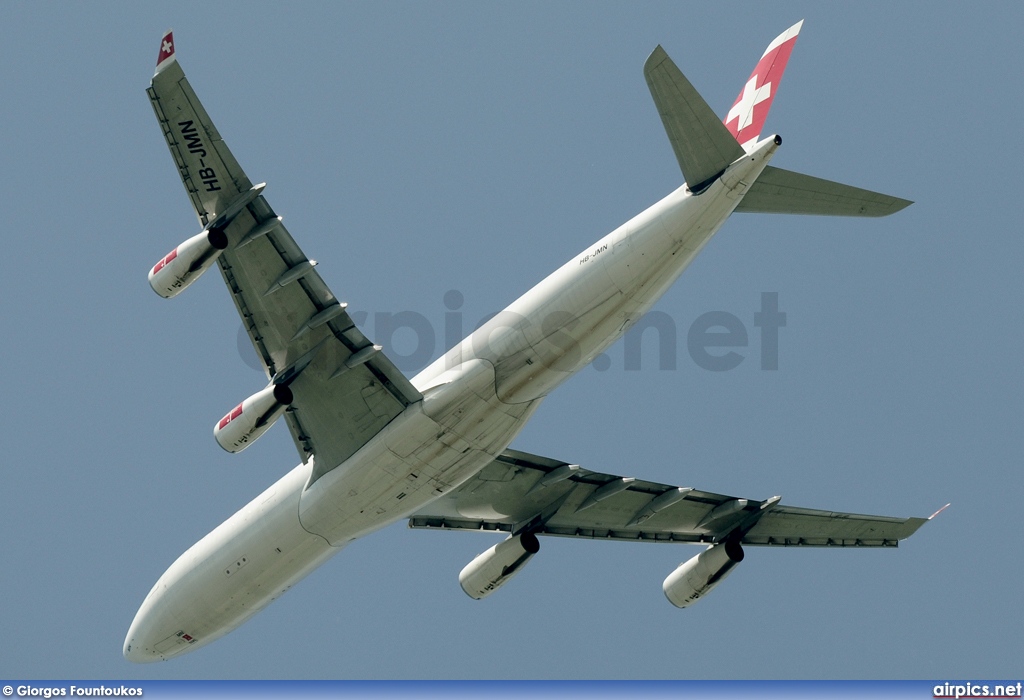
{"x":184,"y":265}
{"x":491,"y":569}
{"x":251,"y":418}
{"x":696,"y":577}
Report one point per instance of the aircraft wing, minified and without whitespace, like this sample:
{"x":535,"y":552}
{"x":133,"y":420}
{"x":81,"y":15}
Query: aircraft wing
{"x":346,"y":389}
{"x":521,"y":492}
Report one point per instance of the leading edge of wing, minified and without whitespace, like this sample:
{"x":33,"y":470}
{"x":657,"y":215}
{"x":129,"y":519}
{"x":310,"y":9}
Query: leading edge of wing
{"x":519,"y":492}
{"x":290,"y":314}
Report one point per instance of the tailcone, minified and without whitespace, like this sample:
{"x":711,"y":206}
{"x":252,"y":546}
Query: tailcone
{"x":743,"y":171}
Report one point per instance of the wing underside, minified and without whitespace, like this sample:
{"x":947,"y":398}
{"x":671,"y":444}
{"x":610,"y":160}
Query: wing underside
{"x":345,"y":389}
{"x":521,"y":492}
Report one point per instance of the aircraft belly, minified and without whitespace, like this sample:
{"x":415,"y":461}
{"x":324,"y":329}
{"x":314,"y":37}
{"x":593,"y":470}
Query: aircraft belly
{"x":289,"y":530}
{"x":562,"y":323}
{"x":687,"y":229}
{"x":432,"y":448}
{"x":589,"y":303}
{"x":570,"y":345}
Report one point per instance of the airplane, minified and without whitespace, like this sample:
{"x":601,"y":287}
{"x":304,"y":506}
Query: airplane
{"x":376,"y":447}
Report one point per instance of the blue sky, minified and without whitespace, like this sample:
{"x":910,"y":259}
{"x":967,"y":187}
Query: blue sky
{"x":415,"y":149}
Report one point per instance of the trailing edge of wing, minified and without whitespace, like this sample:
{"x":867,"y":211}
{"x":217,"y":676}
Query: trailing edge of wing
{"x":702,"y":143}
{"x":778,"y":191}
{"x":347,"y":390}
{"x":787,"y":527}
{"x":519,"y":492}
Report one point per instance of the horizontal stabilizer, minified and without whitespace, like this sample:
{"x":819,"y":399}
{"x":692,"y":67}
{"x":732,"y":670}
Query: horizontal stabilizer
{"x":702,"y":143}
{"x":778,"y":191}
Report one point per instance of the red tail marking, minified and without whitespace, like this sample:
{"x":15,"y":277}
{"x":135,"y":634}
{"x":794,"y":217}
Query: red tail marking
{"x":749,"y":112}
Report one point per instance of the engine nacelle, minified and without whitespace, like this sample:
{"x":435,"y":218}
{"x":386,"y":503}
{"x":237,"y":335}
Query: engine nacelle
{"x":251,"y":418}
{"x":186,"y":263}
{"x":695,"y":577}
{"x":491,"y":569}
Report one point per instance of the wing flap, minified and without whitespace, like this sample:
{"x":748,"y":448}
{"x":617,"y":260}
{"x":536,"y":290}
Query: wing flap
{"x":299,"y":329}
{"x":509,"y":496}
{"x":336,"y":409}
{"x":786,"y":526}
{"x":207,"y":168}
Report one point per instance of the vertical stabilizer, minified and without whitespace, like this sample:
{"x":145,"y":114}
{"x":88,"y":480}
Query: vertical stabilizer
{"x":705,"y":146}
{"x":749,"y":112}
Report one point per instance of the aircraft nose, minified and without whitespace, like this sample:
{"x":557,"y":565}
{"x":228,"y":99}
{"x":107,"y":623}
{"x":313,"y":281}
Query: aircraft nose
{"x":140,"y":644}
{"x":158,"y":631}
{"x":138,"y":653}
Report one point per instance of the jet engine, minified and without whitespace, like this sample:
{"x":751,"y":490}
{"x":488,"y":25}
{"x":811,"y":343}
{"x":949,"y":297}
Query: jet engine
{"x":695,"y":577}
{"x":491,"y":569}
{"x":251,"y":418}
{"x":186,"y":263}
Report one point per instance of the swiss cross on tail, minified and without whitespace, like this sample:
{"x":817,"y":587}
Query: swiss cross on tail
{"x":166,"y":51}
{"x":750,"y":110}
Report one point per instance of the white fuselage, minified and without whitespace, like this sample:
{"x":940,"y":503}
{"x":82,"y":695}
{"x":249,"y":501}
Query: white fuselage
{"x":477,"y":398}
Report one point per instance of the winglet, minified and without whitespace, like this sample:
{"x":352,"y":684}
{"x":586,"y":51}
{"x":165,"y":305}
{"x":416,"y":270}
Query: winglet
{"x":748,"y":114}
{"x":166,"y":56}
{"x":932,"y":516}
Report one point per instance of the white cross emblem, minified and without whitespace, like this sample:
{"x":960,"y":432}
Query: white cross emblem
{"x":744,"y":109}
{"x":167,"y":47}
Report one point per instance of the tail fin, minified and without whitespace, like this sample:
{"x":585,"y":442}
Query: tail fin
{"x":748,"y":114}
{"x":705,"y":146}
{"x":779,"y":191}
